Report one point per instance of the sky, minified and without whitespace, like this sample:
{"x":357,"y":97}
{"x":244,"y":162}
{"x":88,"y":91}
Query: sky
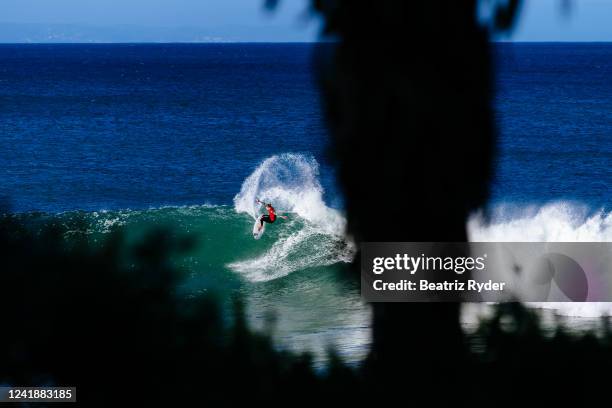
{"x":156,"y":20}
{"x":247,"y":20}
{"x":545,"y":20}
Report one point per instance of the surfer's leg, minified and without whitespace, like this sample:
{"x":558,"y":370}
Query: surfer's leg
{"x":264,"y":218}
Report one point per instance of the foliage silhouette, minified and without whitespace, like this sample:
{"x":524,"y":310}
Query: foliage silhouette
{"x":105,"y":317}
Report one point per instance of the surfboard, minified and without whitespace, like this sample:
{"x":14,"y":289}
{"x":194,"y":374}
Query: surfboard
{"x":257,"y":234}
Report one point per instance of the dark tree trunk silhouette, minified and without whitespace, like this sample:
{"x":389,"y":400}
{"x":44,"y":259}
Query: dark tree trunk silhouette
{"x":407,"y":92}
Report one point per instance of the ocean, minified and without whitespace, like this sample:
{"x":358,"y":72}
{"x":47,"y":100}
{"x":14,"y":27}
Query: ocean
{"x":138,"y":136}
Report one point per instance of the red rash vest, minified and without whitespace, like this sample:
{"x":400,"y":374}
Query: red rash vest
{"x":271,"y":213}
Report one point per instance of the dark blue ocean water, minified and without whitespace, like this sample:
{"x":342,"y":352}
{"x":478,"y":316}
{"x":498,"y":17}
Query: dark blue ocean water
{"x":554,"y":107}
{"x":136,"y":126}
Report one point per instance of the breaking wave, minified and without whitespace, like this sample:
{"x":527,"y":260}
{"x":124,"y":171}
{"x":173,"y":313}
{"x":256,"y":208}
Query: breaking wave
{"x":314,"y":234}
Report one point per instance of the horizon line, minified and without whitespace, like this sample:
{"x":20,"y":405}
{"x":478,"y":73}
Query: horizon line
{"x":268,"y":42}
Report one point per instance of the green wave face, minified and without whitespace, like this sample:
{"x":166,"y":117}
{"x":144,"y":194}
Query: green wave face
{"x":224,"y":243}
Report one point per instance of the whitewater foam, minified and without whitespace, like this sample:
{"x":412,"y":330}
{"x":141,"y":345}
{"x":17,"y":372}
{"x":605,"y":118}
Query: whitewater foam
{"x":303,"y":249}
{"x":290,"y":182}
{"x":553,"y":222}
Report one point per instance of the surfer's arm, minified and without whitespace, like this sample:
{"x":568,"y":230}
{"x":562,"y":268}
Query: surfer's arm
{"x":257,"y":200}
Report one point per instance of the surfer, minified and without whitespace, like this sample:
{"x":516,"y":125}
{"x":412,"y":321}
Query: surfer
{"x":270,"y":217}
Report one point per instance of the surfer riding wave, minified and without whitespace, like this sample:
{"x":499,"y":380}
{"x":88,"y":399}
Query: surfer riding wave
{"x":312,"y":236}
{"x":270,"y":217}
